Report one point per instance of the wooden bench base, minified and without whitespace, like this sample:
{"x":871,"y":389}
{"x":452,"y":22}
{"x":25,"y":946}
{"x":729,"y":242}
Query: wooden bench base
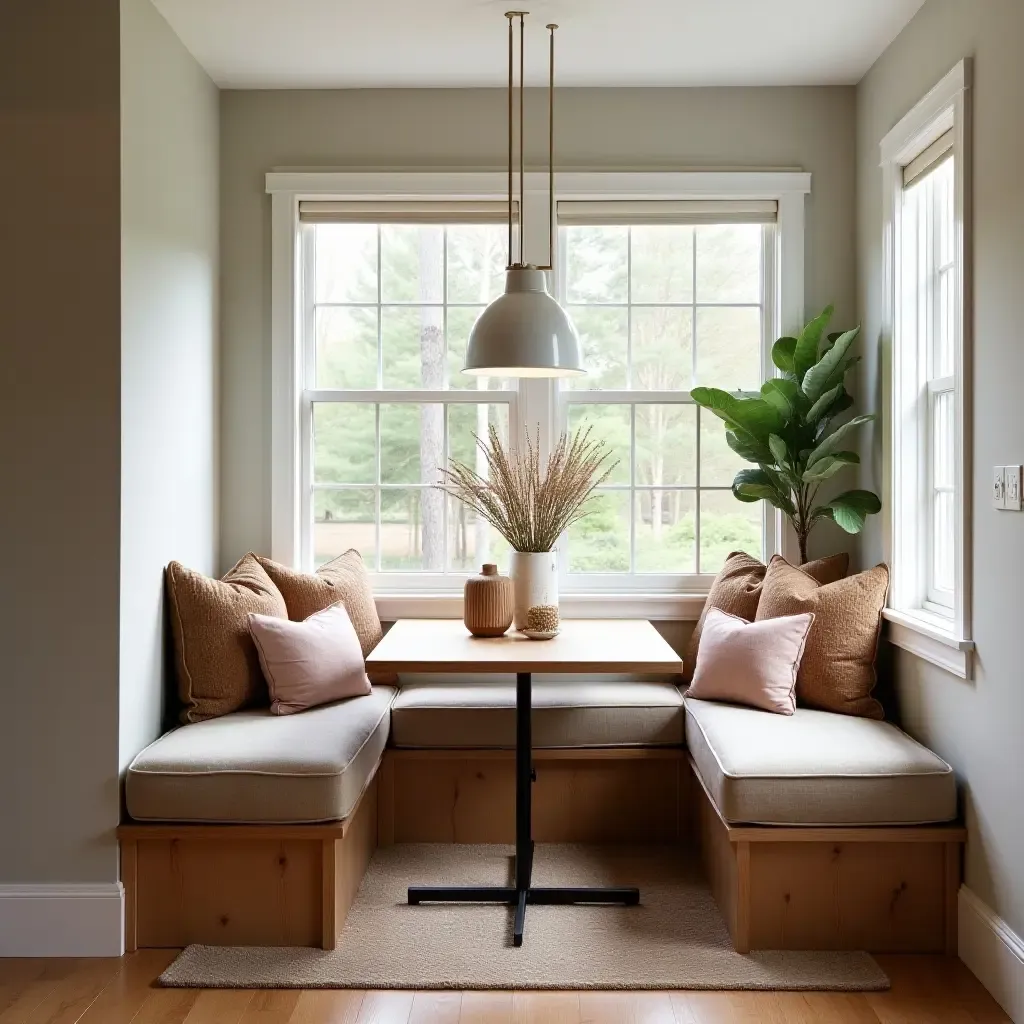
{"x":244,"y":885}
{"x":878,"y":889}
{"x":626,"y":794}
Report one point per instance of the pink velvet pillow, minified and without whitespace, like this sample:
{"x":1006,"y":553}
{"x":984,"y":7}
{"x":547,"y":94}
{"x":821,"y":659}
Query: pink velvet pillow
{"x":310,"y":662}
{"x":745,"y":663}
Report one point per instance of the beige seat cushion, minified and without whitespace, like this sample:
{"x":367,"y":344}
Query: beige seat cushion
{"x":815,"y":768}
{"x":254,"y":766}
{"x":453,"y":715}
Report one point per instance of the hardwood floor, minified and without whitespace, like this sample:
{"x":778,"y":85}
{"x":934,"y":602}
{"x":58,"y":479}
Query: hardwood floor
{"x":925,"y":990}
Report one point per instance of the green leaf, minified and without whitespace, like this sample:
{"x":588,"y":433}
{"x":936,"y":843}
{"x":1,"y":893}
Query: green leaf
{"x":785,"y":395}
{"x":782,"y":353}
{"x":851,"y":508}
{"x":754,"y":485}
{"x":754,"y":415}
{"x":778,"y":449}
{"x":829,"y":370}
{"x":805,"y":355}
{"x":839,"y":406}
{"x":820,"y":407}
{"x":831,"y":443}
{"x":746,"y":446}
{"x":830,"y":465}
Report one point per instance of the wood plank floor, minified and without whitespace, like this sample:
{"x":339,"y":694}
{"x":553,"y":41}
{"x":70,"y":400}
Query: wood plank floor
{"x":925,"y":990}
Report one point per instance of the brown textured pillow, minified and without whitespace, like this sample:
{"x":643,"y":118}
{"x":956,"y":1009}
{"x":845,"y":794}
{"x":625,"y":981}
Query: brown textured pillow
{"x":737,"y":591}
{"x":217,"y":663}
{"x":837,"y":672}
{"x":343,"y":580}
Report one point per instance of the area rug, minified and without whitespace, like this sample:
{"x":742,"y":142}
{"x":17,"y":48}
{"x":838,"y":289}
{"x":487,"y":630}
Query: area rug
{"x":675,"y":939}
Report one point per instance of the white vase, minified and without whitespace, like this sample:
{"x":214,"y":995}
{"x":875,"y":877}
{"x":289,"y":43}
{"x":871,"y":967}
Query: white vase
{"x":535,"y":578}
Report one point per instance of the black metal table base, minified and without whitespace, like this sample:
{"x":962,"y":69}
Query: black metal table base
{"x":523,"y":892}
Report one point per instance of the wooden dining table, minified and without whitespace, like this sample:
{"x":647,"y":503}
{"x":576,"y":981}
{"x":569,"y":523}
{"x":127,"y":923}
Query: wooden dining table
{"x":587,"y":646}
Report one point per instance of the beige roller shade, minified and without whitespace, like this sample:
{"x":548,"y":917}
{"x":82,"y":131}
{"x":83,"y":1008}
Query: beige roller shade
{"x":941,"y":149}
{"x":404,"y":212}
{"x":656,"y":211}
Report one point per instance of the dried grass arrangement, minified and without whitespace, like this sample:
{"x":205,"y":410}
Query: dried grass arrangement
{"x":531,"y":509}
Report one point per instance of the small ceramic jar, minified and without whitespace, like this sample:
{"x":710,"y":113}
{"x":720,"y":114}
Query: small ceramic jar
{"x":489,"y":603}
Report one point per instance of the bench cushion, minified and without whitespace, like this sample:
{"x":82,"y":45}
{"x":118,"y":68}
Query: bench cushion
{"x":815,"y":768}
{"x":453,"y":715}
{"x":252,"y":766}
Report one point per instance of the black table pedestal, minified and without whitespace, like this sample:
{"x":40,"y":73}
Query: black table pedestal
{"x":523,"y":892}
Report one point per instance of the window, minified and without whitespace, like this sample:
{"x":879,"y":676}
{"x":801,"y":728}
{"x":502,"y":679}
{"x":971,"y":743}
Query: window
{"x":664,"y":298}
{"x":377,"y":279}
{"x":925,"y":166}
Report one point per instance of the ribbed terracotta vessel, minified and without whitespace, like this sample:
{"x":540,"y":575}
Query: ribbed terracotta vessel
{"x":489,"y":603}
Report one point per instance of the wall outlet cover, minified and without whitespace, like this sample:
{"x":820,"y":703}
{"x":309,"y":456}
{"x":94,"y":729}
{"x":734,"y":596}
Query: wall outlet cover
{"x":998,"y":488}
{"x":1012,"y":487}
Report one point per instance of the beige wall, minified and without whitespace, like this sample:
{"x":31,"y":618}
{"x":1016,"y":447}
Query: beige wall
{"x":169,"y":353}
{"x":60,"y":347}
{"x":977,"y":725}
{"x":637,"y":129}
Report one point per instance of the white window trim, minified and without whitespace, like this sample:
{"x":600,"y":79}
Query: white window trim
{"x":535,"y":398}
{"x":941,"y":640}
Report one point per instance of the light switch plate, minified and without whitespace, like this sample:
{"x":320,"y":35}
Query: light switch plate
{"x":998,"y":487}
{"x":1011,"y":487}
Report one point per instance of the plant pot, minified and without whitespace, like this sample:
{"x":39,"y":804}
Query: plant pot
{"x":487,"y":603}
{"x":535,"y":581}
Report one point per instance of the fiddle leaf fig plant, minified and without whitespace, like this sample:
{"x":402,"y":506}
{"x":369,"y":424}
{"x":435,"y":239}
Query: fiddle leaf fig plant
{"x":791,"y":431}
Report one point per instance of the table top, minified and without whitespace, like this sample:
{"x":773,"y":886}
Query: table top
{"x":582,"y":645}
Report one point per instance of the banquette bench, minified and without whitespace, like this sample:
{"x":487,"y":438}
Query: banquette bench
{"x":818,"y":831}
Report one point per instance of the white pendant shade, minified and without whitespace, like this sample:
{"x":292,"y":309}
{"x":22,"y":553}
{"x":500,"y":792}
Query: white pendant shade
{"x":524,"y":333}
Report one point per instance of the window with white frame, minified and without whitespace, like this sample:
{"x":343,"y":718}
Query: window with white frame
{"x":374,"y":298}
{"x":925,"y":165}
{"x":665,"y":296}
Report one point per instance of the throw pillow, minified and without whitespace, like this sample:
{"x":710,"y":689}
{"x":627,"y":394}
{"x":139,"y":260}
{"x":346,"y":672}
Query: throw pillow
{"x":310,"y":662}
{"x":217,"y":665}
{"x":737,"y":590}
{"x":838,"y":669}
{"x":752,"y":663}
{"x":343,"y":580}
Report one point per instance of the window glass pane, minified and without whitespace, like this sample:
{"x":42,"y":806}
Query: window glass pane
{"x":412,"y":263}
{"x":947,"y":313}
{"x":344,"y":443}
{"x":346,"y":347}
{"x":719,"y":464}
{"x":472,"y":541}
{"x":726,"y":525}
{"x":666,"y":445}
{"x":411,"y":443}
{"x":460,"y":323}
{"x":466,"y":423}
{"x":665,"y":532}
{"x":604,"y":339}
{"x":595,"y":264}
{"x":600,"y":541}
{"x":943,"y":546}
{"x":729,"y":347}
{"x":476,"y":262}
{"x":662,"y":348}
{"x":661,"y":260}
{"x":412,"y":346}
{"x":344,"y":519}
{"x":411,"y":529}
{"x":610,"y":423}
{"x":729,"y":262}
{"x":942,"y":439}
{"x":345,"y":262}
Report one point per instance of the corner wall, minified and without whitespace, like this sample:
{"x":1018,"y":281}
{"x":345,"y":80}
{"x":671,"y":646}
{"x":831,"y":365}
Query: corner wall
{"x":464,"y":129}
{"x":169,"y":347}
{"x":976,"y":725}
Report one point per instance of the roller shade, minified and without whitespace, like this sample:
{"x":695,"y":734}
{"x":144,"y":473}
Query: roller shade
{"x":655,"y":211}
{"x":405,"y":212}
{"x":941,"y":149}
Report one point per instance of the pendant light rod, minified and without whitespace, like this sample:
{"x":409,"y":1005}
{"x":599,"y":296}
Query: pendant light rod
{"x":551,"y":148}
{"x":510,"y":15}
{"x":522,"y":136}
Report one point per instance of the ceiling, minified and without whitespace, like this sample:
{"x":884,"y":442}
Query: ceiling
{"x":303,"y":44}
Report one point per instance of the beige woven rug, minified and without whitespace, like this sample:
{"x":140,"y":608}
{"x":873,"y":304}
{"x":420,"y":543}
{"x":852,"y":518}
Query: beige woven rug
{"x":675,"y":939}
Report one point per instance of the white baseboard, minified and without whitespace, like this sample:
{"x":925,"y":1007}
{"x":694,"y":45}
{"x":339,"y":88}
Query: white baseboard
{"x":993,"y":951}
{"x":62,"y":919}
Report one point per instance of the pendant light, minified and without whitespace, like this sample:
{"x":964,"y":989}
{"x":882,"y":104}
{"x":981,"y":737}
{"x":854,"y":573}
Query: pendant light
{"x":525,"y":332}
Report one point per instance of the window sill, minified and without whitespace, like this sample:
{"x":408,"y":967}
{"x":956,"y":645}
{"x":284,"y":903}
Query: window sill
{"x":655,"y":607}
{"x":931,"y":638}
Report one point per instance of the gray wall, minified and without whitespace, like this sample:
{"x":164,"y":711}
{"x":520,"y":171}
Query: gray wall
{"x":169,"y":356}
{"x":976,"y":725}
{"x":636,"y":129}
{"x":60,"y":349}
